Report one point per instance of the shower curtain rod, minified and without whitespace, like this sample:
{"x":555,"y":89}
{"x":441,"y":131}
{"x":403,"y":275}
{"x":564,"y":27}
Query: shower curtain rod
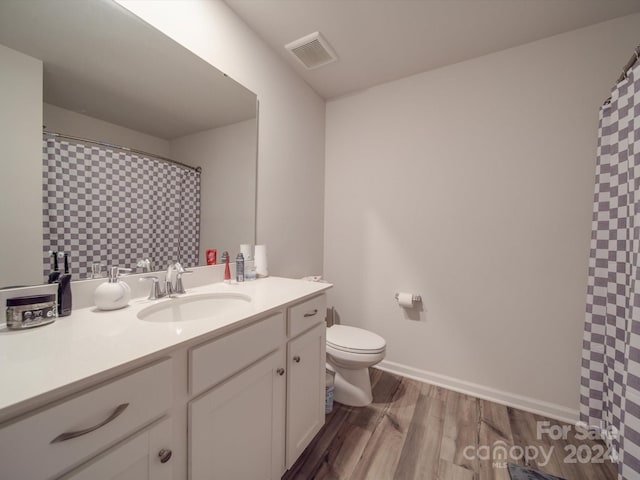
{"x":120,"y":147}
{"x":630,"y":63}
{"x":625,"y":69}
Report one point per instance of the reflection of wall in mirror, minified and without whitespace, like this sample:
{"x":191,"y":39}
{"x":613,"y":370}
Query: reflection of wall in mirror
{"x":227,"y":156}
{"x":21,"y":174}
{"x":61,"y":120}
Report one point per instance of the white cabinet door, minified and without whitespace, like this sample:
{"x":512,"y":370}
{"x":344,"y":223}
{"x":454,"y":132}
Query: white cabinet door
{"x":305,"y":390}
{"x":135,"y":459}
{"x":236,"y":430}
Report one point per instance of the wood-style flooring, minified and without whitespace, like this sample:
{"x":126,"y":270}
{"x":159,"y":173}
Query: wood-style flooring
{"x":417,"y":431}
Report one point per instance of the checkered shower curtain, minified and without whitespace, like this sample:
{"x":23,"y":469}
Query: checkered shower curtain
{"x":107,"y":206}
{"x":610,"y":383}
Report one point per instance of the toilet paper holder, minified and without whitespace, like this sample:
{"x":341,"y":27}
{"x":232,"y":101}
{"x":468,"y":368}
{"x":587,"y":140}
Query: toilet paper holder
{"x":414,"y":298}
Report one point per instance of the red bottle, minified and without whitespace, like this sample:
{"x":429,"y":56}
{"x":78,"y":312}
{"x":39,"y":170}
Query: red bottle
{"x":227,"y":272}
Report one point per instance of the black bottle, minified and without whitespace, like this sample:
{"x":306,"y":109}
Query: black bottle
{"x":64,"y":290}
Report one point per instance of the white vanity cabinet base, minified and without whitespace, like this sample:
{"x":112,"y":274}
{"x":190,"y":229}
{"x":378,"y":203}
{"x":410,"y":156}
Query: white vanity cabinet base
{"x":305,"y":389}
{"x":26,"y":451}
{"x":237,"y":429}
{"x":135,"y":459}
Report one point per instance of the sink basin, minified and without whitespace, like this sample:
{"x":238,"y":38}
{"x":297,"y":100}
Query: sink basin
{"x":194,"y":307}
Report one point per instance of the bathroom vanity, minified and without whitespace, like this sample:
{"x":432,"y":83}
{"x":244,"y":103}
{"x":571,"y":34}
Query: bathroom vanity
{"x":237,"y":394}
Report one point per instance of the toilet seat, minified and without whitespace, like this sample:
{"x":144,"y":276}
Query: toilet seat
{"x":354,"y":340}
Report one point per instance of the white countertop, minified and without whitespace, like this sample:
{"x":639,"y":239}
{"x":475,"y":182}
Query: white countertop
{"x":38,"y":361}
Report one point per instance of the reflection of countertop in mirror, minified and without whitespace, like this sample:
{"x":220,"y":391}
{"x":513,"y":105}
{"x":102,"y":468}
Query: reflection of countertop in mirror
{"x":91,"y":345}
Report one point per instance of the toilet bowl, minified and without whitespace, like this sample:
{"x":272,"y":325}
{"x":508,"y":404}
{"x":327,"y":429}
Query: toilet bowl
{"x":350,"y":353}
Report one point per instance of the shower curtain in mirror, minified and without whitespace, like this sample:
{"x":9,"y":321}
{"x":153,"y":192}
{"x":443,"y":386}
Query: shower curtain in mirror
{"x":610,"y":383}
{"x":113,"y":207}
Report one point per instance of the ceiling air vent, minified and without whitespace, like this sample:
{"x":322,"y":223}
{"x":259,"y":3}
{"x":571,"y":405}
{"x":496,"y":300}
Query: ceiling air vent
{"x":312,"y":51}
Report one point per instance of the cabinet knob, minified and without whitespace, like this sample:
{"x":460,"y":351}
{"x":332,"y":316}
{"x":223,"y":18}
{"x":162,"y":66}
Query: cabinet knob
{"x":165,"y":455}
{"x":296,"y":359}
{"x":280,"y":371}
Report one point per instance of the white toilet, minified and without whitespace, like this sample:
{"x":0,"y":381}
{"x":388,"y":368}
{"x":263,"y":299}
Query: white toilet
{"x":350,"y":353}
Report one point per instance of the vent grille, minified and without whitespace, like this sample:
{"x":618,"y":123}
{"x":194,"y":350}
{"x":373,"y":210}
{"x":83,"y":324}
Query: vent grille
{"x":312,"y":51}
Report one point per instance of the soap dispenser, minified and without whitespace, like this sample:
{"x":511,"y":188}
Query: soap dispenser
{"x":113,"y":294}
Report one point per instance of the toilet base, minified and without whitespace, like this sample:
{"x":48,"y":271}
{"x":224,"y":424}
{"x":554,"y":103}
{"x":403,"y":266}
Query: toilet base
{"x":352,"y":387}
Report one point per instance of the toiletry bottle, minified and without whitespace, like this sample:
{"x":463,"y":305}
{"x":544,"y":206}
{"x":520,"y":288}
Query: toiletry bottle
{"x":239,"y":268}
{"x":227,"y":271}
{"x":249,"y":269}
{"x":249,"y":266}
{"x":114,"y":293}
{"x":64,"y":289}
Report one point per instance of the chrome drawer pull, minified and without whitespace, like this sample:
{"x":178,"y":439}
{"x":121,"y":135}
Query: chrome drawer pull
{"x":296,"y":359}
{"x":69,"y":435}
{"x":280,"y":371}
{"x":311,"y":314}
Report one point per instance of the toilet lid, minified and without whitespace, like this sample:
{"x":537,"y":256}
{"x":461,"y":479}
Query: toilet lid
{"x":352,"y":339}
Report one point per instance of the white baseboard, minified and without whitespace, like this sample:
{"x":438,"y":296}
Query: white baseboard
{"x":539,"y":407}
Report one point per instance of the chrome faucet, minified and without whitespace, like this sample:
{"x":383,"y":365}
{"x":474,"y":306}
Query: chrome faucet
{"x":156,"y":291}
{"x":179,"y":271}
{"x":175,"y":286}
{"x":171,"y":288}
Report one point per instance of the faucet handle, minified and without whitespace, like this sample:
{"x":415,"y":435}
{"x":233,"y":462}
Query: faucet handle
{"x":180,"y":269}
{"x":168,"y":279}
{"x":156,"y":291}
{"x":179,"y":286}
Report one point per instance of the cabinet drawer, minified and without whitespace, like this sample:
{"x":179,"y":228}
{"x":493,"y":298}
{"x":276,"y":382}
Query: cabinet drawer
{"x":212,"y":362}
{"x":307,"y":314}
{"x":29,"y":449}
{"x":135,"y":458}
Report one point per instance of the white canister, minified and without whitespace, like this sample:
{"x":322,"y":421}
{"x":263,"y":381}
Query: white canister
{"x":260,"y":259}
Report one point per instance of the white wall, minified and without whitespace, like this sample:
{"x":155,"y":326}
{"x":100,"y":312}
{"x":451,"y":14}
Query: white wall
{"x":61,"y":120}
{"x":21,"y":179}
{"x":291,"y":126}
{"x":225,"y":155}
{"x":472,"y":185}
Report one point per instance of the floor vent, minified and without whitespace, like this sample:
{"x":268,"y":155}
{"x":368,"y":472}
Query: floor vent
{"x":312,"y":51}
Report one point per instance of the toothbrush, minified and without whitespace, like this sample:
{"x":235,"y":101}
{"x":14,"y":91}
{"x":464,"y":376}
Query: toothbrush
{"x":55,"y":274}
{"x":66,"y":262}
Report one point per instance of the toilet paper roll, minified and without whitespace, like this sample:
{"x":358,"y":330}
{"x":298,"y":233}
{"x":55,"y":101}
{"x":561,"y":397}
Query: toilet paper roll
{"x":245,"y":250}
{"x":405,"y":300}
{"x":261,"y":261}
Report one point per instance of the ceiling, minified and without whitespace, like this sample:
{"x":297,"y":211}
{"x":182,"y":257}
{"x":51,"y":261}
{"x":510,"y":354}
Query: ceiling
{"x":382,"y":40}
{"x":102,"y":61}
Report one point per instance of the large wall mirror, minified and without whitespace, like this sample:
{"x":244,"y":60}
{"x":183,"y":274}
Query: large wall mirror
{"x":183,"y":137}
